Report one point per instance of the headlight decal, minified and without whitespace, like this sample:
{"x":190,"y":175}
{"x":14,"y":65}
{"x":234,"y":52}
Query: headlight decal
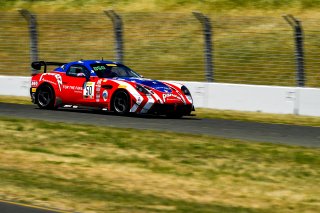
{"x":185,"y":91}
{"x":142,"y":89}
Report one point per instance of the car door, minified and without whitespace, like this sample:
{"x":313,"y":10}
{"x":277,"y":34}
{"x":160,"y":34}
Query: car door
{"x":76,"y":88}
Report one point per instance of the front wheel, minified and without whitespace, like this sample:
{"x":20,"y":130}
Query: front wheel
{"x":45,"y":97}
{"x":121,"y":102}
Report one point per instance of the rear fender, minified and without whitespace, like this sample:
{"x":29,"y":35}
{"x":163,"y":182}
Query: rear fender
{"x":54,"y":79}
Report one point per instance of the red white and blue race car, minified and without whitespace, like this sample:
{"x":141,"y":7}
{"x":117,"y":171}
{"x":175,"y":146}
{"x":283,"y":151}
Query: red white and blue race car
{"x":107,"y":85}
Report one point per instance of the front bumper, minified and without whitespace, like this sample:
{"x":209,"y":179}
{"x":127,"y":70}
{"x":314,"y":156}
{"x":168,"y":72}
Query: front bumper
{"x":164,"y":109}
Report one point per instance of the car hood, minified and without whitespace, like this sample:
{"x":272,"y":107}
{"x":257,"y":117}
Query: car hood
{"x":149,"y":83}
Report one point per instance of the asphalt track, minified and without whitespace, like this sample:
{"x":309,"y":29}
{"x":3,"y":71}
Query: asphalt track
{"x":259,"y":132}
{"x":13,"y":207}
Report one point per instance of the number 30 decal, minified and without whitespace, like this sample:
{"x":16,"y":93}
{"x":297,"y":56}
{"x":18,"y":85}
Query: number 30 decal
{"x":88,"y":90}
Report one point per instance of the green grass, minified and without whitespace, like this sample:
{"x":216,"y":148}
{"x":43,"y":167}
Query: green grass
{"x":87,"y":168}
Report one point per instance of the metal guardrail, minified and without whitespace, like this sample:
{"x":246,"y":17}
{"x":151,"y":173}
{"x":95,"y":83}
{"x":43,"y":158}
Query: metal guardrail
{"x":246,"y":50}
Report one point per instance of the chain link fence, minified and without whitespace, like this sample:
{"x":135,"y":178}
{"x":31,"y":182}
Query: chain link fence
{"x":246,"y":50}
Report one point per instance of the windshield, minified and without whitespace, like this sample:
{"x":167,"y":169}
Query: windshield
{"x":103,"y":70}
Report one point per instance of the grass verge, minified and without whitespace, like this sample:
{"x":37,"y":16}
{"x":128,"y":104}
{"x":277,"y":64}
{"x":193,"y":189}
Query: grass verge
{"x":15,"y":99}
{"x":222,"y":114}
{"x":97,"y":169}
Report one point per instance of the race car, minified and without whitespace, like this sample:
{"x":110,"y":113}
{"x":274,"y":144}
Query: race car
{"x":106,"y":85}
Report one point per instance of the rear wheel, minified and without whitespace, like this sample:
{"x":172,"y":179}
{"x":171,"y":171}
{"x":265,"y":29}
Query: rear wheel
{"x":45,"y":97}
{"x":121,"y":102}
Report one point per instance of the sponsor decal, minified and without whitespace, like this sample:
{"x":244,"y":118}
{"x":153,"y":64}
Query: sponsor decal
{"x":51,"y":82}
{"x":99,"y":68}
{"x":34,"y":83}
{"x":122,"y":86}
{"x":105,"y":95}
{"x":76,"y":88}
{"x":170,"y":96}
{"x":98,"y":88}
{"x":88,"y":90}
{"x":59,"y":80}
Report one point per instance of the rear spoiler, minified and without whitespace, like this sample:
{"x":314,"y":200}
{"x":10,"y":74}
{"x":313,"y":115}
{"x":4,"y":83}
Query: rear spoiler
{"x":38,"y":64}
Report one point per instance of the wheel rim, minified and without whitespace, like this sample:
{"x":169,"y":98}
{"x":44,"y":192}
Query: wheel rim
{"x":44,"y":97}
{"x":121,"y":102}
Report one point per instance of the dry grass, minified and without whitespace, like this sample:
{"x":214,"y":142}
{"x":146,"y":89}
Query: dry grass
{"x":93,"y":169}
{"x":258,"y":117}
{"x":246,"y":50}
{"x":15,"y":99}
{"x":222,"y":6}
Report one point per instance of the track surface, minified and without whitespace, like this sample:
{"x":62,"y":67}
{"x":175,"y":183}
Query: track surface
{"x":274,"y":133}
{"x":11,"y":207}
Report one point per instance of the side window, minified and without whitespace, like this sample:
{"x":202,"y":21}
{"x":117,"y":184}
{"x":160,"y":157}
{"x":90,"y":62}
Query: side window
{"x":77,"y":70}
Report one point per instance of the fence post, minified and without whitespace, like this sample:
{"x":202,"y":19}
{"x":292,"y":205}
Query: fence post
{"x":208,"y":47}
{"x":298,"y":36}
{"x":117,"y":26}
{"x":32,"y":22}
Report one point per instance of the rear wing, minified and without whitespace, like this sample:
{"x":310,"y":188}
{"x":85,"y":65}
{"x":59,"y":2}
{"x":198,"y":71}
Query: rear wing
{"x":38,"y":64}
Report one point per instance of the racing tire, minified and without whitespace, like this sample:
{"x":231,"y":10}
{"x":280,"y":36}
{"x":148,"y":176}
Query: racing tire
{"x":45,"y":97}
{"x":121,"y":102}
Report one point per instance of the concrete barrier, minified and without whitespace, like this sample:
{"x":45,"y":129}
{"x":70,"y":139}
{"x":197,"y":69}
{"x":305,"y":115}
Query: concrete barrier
{"x":254,"y":98}
{"x":308,"y":101}
{"x":15,"y":85}
{"x":244,"y":97}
